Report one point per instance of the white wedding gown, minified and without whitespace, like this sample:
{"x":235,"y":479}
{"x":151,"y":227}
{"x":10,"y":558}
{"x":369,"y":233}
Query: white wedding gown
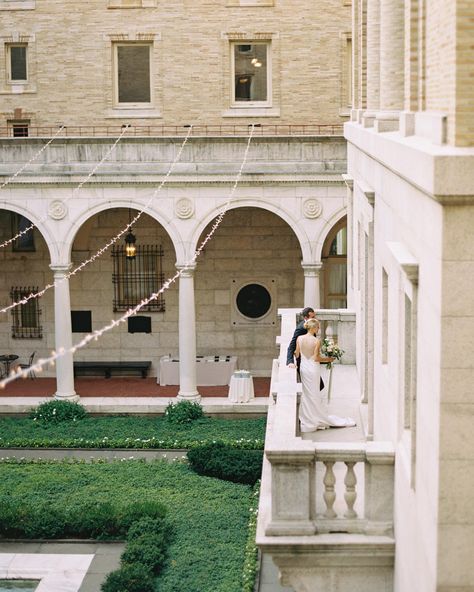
{"x":313,"y":409}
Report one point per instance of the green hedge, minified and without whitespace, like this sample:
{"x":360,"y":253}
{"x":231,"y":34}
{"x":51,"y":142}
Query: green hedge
{"x":224,"y":462}
{"x":143,"y":558}
{"x":87,"y":519}
{"x":131,"y":432}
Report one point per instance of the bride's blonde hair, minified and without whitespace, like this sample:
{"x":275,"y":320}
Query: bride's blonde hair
{"x":310,"y":324}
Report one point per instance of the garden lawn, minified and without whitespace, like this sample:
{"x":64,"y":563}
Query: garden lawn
{"x":130,"y":432}
{"x":209,"y":517}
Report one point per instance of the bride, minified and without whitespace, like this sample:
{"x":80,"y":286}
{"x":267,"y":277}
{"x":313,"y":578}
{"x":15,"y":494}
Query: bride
{"x":313,"y":410}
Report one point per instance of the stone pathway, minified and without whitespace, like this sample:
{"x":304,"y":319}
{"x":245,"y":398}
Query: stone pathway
{"x":63,"y":575}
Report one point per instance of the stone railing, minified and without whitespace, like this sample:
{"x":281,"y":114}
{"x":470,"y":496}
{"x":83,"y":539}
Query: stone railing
{"x":311,"y":488}
{"x":309,"y":495}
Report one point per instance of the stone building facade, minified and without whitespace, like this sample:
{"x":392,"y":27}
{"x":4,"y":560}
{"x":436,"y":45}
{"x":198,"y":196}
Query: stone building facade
{"x":142,"y":71}
{"x":411,"y":214}
{"x":148,"y":63}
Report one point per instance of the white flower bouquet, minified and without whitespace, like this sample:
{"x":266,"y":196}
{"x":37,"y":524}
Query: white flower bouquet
{"x":331,"y":350}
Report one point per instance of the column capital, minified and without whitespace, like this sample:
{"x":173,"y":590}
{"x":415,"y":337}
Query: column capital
{"x":311,"y":269}
{"x":187,"y":270}
{"x":60,"y":268}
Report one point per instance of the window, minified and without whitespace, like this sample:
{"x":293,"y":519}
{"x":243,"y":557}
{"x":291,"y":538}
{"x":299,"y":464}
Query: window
{"x":132,"y":74}
{"x":251,"y":74}
{"x":25,"y":242}
{"x":138,"y":278}
{"x":19,"y":128}
{"x":26,"y":317}
{"x":334,"y":276}
{"x":17,"y":62}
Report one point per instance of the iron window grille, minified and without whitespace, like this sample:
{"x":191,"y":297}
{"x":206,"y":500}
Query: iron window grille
{"x":26,"y":317}
{"x":138,"y":278}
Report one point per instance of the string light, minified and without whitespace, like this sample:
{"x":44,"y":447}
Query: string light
{"x":113,"y":240}
{"x":76,"y":189}
{"x":95,"y":335}
{"x":10,"y":179}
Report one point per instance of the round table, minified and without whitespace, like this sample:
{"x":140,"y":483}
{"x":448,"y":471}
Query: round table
{"x":241,"y":388}
{"x":7,"y":360}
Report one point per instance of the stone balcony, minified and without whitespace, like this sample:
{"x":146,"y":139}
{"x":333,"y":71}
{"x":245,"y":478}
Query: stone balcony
{"x":326,"y":505}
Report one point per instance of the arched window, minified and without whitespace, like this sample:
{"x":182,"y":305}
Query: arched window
{"x":334,"y":258}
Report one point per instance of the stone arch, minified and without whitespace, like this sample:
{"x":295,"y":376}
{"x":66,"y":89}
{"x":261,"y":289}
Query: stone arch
{"x":246,"y":203}
{"x":42,"y":226}
{"x":327,"y":228}
{"x":167,"y":223}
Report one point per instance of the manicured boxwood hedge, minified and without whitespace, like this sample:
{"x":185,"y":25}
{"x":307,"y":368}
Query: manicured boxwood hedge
{"x":224,"y":462}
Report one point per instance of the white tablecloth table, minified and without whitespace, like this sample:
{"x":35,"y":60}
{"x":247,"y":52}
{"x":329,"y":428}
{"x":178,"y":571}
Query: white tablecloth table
{"x":241,"y":389}
{"x":209,"y":372}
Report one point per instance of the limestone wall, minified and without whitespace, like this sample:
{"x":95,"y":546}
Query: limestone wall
{"x":71,"y":60}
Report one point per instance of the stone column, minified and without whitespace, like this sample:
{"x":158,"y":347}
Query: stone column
{"x":373,"y":62}
{"x":311,"y":284}
{"x":187,"y":335}
{"x":63,"y":335}
{"x":391,"y":64}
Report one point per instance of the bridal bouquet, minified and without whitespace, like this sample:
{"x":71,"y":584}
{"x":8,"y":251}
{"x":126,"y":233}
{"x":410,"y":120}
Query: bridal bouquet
{"x":331,"y":350}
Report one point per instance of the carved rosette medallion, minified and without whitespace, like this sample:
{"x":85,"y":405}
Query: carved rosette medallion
{"x":312,"y":208}
{"x":184,"y":208}
{"x":57,"y":209}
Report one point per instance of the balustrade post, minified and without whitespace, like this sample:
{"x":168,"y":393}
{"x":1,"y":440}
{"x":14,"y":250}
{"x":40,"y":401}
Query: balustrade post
{"x":329,"y":492}
{"x":292,"y":492}
{"x":350,"y":494}
{"x":379,"y":485}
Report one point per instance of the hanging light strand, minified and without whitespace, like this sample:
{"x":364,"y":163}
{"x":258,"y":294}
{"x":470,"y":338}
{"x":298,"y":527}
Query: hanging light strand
{"x":40,"y":151}
{"x":95,"y":335}
{"x":76,"y":189}
{"x":19,"y":171}
{"x":113,"y":240}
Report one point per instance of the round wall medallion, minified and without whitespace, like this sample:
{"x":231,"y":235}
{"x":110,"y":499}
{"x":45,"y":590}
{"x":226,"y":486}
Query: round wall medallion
{"x":253,"y":301}
{"x":312,"y":208}
{"x":184,"y":208}
{"x":57,"y":209}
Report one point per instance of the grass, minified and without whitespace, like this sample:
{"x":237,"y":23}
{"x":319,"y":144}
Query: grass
{"x":130,"y":432}
{"x":209,"y":517}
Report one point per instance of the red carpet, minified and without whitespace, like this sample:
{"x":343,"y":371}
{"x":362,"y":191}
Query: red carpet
{"x":118,"y":387}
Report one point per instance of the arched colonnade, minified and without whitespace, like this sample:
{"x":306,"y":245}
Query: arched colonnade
{"x":186,"y":222}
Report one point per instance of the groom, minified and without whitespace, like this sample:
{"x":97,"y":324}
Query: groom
{"x":307,"y":313}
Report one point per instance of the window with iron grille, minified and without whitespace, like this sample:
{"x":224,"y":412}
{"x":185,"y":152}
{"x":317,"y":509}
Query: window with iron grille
{"x":26,"y":317}
{"x":138,"y":278}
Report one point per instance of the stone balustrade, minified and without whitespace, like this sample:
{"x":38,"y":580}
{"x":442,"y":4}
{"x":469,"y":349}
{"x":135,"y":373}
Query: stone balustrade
{"x":320,"y":487}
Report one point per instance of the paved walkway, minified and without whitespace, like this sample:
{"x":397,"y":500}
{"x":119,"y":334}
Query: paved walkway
{"x":61,"y":568}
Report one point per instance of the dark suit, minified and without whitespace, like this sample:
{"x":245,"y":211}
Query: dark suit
{"x":300,"y":330}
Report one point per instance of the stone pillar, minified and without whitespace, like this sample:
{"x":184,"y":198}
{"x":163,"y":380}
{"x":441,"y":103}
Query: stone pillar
{"x":373,"y":62}
{"x":391,"y":64}
{"x":63,"y":335}
{"x":311,"y":284}
{"x":187,"y":335}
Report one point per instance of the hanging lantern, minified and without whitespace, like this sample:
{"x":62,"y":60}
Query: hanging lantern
{"x":130,"y":240}
{"x":130,"y":248}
